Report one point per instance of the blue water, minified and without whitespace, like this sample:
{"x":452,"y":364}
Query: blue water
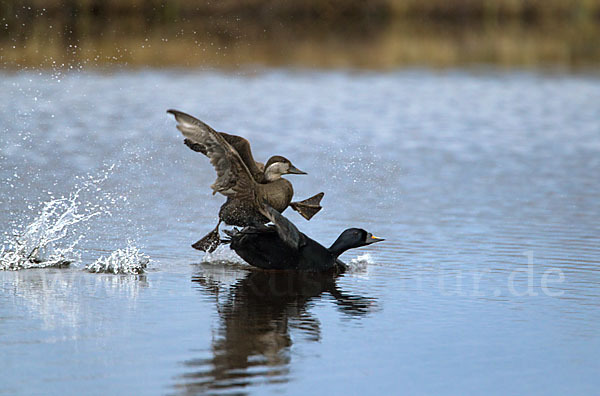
{"x":484,"y":183}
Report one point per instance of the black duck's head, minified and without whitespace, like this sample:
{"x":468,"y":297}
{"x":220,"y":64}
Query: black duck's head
{"x":277,"y":166}
{"x":353,"y":238}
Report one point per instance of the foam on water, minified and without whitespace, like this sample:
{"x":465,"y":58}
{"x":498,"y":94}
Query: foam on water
{"x":122,"y":261}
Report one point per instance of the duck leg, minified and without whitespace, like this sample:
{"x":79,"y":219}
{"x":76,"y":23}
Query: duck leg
{"x":210,"y":241}
{"x":309,"y":207}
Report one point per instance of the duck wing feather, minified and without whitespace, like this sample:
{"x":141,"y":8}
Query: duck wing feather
{"x":242,"y":146}
{"x":233,"y":177}
{"x":286,"y":230}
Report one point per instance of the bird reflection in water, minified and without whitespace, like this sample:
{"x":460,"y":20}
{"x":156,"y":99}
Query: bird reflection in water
{"x":258,"y":313}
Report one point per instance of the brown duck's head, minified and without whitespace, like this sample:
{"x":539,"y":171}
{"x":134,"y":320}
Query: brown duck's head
{"x":277,"y":166}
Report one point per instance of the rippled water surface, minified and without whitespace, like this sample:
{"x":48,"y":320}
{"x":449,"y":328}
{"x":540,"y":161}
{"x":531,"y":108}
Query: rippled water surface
{"x":485,"y":185}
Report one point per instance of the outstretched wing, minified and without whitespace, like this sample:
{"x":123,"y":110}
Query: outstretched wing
{"x":195,"y":146}
{"x":242,"y":146}
{"x":233,"y":176}
{"x":286,"y":230}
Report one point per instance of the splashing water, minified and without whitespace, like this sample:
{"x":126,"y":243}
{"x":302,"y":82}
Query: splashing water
{"x":35,"y":246}
{"x":122,"y":261}
{"x":362,"y":260}
{"x":359,"y":266}
{"x":223,"y":255}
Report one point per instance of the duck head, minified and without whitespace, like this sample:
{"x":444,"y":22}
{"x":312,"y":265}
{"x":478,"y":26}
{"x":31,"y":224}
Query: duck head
{"x":353,"y":238}
{"x":277,"y":166}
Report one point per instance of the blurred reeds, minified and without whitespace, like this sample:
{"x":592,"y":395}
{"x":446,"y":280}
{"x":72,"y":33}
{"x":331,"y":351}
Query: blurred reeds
{"x":313,"y":33}
{"x":326,"y":9}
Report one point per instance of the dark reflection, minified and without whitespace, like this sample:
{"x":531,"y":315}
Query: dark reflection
{"x":257,"y":315}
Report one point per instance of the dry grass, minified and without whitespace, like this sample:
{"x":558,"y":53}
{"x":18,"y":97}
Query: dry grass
{"x":235,"y":44}
{"x":522,"y":9}
{"x":324,"y":9}
{"x":319,"y":33}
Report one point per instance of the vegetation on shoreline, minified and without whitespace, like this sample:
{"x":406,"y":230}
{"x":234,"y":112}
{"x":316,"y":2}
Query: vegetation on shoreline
{"x":311,"y":33}
{"x":323,"y":9}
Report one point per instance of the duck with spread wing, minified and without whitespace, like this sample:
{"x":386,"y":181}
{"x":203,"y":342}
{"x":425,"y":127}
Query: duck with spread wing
{"x":248,"y":188}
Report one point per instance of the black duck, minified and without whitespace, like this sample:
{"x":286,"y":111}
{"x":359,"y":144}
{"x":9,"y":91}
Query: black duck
{"x":282,"y":246}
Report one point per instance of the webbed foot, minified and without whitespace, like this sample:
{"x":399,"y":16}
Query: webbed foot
{"x":309,"y":207}
{"x":231,"y":233}
{"x":209,"y":242}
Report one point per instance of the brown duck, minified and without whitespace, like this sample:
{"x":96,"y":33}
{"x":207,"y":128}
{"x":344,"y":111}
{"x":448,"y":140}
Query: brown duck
{"x":247,"y":185}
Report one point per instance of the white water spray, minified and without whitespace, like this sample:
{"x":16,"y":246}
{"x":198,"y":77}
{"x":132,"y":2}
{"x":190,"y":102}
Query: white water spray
{"x":122,"y":261}
{"x":50,"y":240}
{"x":35,"y":247}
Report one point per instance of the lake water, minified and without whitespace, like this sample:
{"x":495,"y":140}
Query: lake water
{"x":484,"y":183}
